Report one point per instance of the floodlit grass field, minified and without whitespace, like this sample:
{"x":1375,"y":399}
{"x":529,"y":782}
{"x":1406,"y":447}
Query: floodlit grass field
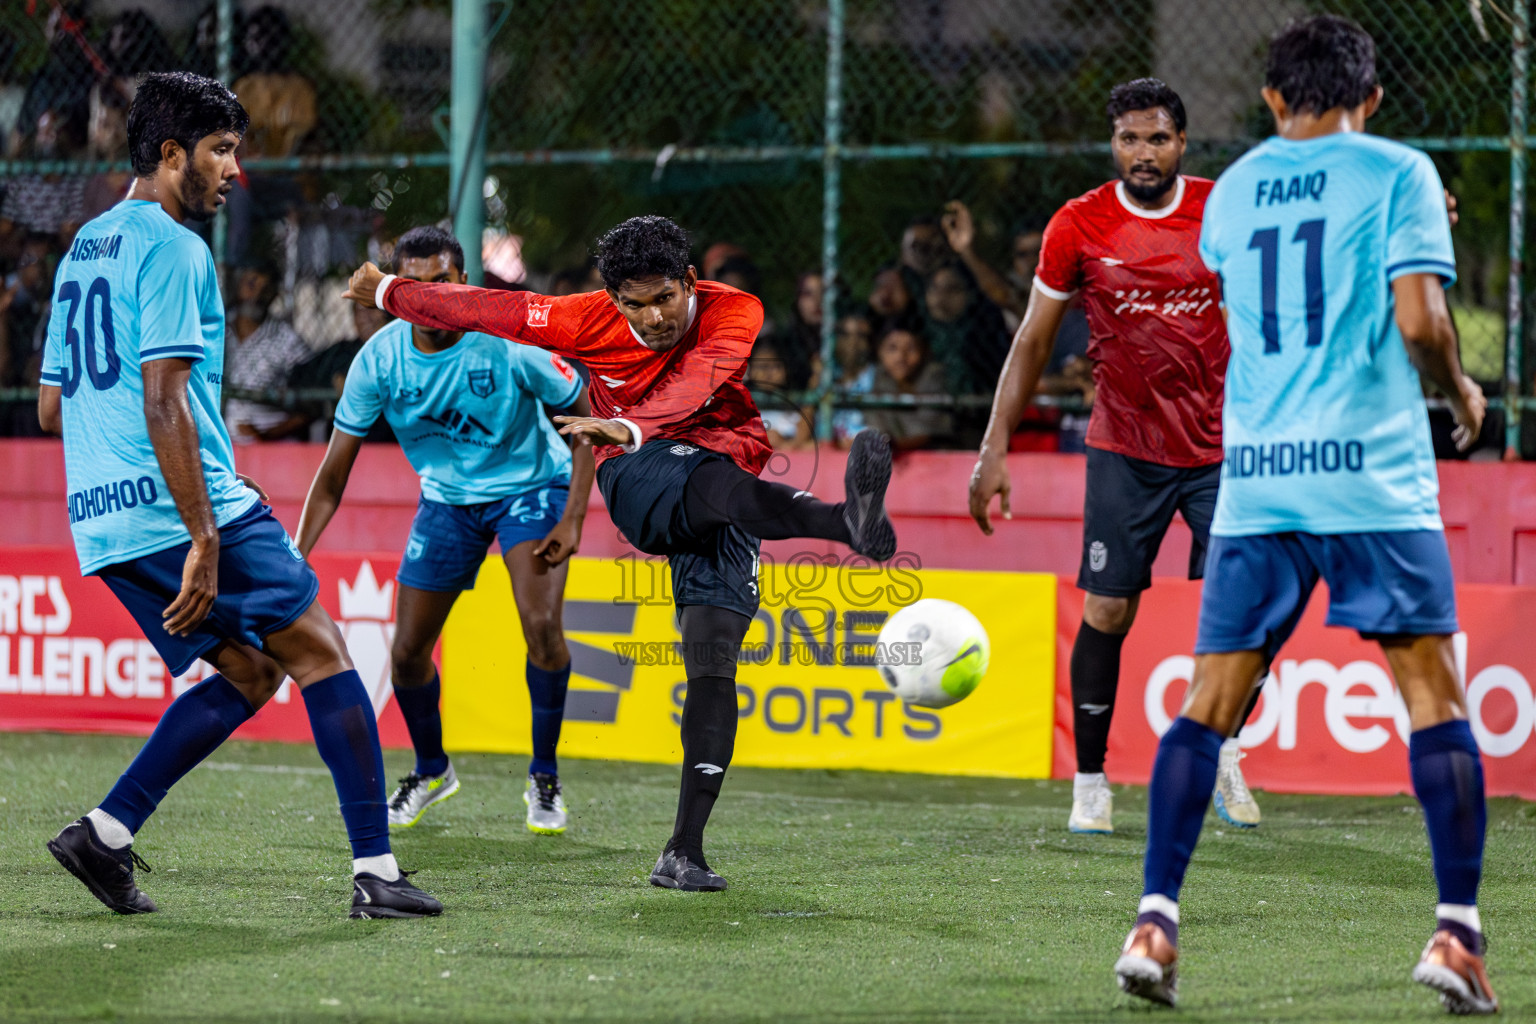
{"x":854,"y":897}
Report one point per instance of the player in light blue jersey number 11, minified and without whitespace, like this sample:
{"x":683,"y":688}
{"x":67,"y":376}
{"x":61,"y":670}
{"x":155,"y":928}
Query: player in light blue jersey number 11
{"x":1334,"y":250}
{"x":131,"y":378}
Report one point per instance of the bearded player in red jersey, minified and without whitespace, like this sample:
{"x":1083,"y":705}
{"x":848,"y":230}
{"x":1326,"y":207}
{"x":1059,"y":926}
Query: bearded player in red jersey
{"x":679,"y":444}
{"x":1159,"y":352}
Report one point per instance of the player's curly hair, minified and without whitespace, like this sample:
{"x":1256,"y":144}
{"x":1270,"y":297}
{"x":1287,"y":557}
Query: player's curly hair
{"x":426,"y":241}
{"x":1321,"y":63}
{"x":181,"y":106}
{"x":1145,"y":94}
{"x":640,"y":248}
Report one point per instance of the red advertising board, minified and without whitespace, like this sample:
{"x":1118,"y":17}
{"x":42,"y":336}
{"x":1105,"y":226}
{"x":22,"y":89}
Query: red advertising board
{"x":73,"y":659}
{"x":1330,"y":719}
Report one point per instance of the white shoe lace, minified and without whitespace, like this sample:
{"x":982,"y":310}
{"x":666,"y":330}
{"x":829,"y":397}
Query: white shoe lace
{"x":1096,"y":803}
{"x":1234,"y":786}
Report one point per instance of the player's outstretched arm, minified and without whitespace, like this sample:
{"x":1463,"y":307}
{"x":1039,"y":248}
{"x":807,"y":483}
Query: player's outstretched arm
{"x":173,"y":433}
{"x":1429,"y":334}
{"x":462,"y":307}
{"x":562,"y":542}
{"x":326,"y":489}
{"x":1031,"y":350}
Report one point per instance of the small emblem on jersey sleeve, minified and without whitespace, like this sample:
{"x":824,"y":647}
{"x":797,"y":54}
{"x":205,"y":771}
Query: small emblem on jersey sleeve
{"x":482,"y":382}
{"x":611,"y":382}
{"x":538,"y":316}
{"x":562,"y":367}
{"x":1098,"y":556}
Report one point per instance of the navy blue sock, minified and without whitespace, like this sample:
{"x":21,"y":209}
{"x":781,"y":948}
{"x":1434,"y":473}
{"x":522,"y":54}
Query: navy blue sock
{"x":546,"y":692}
{"x":1183,"y":775}
{"x":191,"y":729}
{"x":1448,"y":780}
{"x":347,"y":736}
{"x":424,"y":721}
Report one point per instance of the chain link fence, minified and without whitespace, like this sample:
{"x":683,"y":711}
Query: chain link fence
{"x":797,"y":140}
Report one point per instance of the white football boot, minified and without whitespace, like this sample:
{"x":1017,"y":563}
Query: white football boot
{"x":1234,"y":803}
{"x":1092,"y":804}
{"x":546,"y":804}
{"x":418,"y":792}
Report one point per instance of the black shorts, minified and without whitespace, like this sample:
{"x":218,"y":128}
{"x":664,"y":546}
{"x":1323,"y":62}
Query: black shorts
{"x":1126,"y":513}
{"x":644,"y":493}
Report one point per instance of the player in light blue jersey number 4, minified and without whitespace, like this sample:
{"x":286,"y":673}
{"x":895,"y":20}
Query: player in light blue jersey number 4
{"x":1334,"y":250}
{"x":471,"y":412}
{"x":131,"y":378}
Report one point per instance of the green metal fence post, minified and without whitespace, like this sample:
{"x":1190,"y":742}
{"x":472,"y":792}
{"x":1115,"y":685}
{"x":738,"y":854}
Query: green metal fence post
{"x":1519,"y":110}
{"x":831,"y":199}
{"x":466,"y":133}
{"x":224,"y":44}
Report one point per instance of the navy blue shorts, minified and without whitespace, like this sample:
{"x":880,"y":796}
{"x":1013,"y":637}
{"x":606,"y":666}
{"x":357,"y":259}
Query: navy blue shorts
{"x":448,"y":543}
{"x":644,"y":494}
{"x":1126,"y":511}
{"x":1380,"y":584}
{"x":264,"y":585}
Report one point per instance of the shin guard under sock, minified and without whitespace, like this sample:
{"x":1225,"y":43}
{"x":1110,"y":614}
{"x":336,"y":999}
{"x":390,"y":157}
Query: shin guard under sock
{"x":1183,"y":776}
{"x":191,"y":729}
{"x":546,"y":696}
{"x":420,"y":707}
{"x":720,"y":493}
{"x":347,"y":736}
{"x":1095,"y":674}
{"x":1447,"y":776}
{"x":709,"y":737}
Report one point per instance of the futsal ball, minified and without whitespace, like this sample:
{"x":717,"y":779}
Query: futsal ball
{"x":933,"y":653}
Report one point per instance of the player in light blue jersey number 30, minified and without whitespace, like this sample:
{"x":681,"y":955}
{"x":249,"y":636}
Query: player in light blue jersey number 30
{"x":131,"y":377}
{"x":1334,"y":250}
{"x":470,"y":412}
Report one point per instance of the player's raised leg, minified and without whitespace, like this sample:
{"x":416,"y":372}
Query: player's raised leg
{"x":711,"y":642}
{"x":720,"y":493}
{"x":1447,"y":775}
{"x":419,"y":618}
{"x":538,"y":588}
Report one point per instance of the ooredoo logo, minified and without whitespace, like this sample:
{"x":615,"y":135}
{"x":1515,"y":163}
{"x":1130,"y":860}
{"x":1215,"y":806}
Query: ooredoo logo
{"x":1361,"y":705}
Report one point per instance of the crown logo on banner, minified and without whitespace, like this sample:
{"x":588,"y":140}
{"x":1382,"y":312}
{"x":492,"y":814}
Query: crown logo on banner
{"x":366,"y":611}
{"x":365,"y":599}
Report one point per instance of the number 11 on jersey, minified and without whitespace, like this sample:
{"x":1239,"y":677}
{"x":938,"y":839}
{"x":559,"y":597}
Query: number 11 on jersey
{"x":1267,"y":241}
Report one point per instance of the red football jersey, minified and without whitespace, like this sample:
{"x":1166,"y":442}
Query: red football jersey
{"x":692,"y":392}
{"x":1158,"y":340}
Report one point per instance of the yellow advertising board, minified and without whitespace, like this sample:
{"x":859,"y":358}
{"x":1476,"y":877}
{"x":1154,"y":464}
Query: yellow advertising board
{"x":808,"y":692}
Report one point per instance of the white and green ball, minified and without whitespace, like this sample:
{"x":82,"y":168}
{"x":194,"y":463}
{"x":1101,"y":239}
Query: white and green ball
{"x":951,"y":653}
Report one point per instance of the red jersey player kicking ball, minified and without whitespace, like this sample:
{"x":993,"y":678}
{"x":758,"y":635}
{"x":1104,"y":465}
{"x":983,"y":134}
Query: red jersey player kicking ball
{"x":679,"y":445}
{"x":1159,"y":351}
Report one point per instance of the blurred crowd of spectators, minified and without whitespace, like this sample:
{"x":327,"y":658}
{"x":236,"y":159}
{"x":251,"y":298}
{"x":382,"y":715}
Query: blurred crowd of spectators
{"x":934,"y":322}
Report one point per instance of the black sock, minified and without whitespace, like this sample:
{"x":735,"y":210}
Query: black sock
{"x":1095,"y":677}
{"x":711,"y":643}
{"x":709,"y":737}
{"x":720,"y":493}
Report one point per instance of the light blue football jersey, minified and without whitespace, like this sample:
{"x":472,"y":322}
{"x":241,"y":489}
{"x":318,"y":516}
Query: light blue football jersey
{"x":1324,"y":427}
{"x":468,"y":418}
{"x":135,"y":287}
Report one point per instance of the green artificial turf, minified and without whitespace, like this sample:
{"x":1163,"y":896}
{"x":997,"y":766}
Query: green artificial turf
{"x":854,"y":897}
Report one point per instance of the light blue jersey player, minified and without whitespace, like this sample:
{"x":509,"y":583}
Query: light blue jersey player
{"x":131,"y":378}
{"x":471,"y":413}
{"x":1334,"y":249}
